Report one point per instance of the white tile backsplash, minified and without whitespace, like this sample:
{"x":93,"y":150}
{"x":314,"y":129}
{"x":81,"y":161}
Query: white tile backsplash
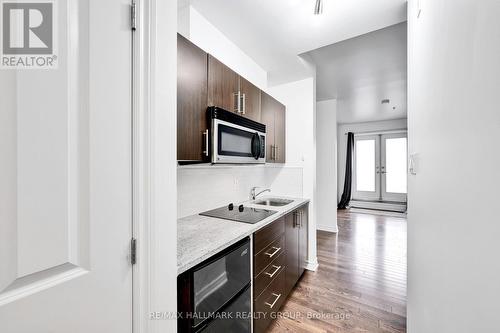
{"x":200,"y":188}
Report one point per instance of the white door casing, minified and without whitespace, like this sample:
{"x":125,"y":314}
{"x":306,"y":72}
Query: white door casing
{"x":65,"y":194}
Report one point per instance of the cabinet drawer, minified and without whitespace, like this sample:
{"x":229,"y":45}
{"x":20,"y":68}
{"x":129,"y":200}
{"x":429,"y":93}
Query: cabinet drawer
{"x":266,"y":256}
{"x":266,"y":235}
{"x":268,"y":274}
{"x":268,"y":303}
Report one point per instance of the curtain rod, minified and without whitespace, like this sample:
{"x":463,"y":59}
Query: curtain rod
{"x":401,"y":130}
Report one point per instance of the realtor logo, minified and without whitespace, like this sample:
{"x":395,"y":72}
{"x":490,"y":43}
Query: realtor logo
{"x":28,"y":32}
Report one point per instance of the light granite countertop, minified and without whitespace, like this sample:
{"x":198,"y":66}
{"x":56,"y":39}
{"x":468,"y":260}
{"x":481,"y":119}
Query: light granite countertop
{"x":200,"y":237}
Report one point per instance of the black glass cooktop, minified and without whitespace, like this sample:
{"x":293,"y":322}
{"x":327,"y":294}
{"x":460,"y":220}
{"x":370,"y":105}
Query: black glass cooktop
{"x":240,"y":213}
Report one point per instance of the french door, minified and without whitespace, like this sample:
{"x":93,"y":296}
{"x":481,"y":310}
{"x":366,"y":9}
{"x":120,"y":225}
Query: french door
{"x":379,"y":167}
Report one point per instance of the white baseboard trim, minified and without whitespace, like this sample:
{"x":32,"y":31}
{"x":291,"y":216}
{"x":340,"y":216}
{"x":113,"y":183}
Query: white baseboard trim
{"x":390,"y":206}
{"x":312,"y":266}
{"x":328,"y":228}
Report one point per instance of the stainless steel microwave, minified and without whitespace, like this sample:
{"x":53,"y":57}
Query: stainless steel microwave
{"x":235,"y":139}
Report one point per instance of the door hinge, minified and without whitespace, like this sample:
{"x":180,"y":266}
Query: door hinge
{"x":133,"y":251}
{"x":133,"y":16}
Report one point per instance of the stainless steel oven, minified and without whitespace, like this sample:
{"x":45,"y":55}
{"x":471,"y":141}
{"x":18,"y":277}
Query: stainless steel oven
{"x":235,"y":139}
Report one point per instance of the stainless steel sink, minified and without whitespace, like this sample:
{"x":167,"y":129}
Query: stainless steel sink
{"x":273,"y":202}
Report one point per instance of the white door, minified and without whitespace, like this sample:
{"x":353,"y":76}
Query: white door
{"x":393,"y":166}
{"x":65,"y":171}
{"x":366,"y":167}
{"x":380,"y":164}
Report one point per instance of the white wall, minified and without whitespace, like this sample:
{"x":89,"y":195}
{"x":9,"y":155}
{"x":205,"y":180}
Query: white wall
{"x":300,"y":100}
{"x":454,"y":121}
{"x":197,"y":29}
{"x":206,"y":187}
{"x":160,"y":270}
{"x":342,"y":129}
{"x":326,"y":165}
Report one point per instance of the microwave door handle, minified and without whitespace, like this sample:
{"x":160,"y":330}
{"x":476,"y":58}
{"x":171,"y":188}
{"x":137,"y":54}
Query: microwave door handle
{"x":259,"y":151}
{"x":256,"y":151}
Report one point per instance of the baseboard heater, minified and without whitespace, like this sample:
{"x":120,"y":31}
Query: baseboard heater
{"x":380,"y":205}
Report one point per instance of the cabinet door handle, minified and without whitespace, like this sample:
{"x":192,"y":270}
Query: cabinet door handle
{"x":205,"y":134}
{"x":237,"y":101}
{"x":276,"y":250}
{"x":276,"y":269}
{"x":277,"y":152}
{"x":243,"y":103}
{"x":273,"y":303}
{"x":301,"y":216}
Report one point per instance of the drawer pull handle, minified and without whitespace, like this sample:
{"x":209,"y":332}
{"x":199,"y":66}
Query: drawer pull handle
{"x":277,"y":298}
{"x":277,"y":268}
{"x":276,"y":250}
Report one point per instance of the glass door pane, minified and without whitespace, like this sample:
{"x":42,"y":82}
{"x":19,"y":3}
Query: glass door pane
{"x":365,"y":165}
{"x":394,"y":166}
{"x":366,"y":180}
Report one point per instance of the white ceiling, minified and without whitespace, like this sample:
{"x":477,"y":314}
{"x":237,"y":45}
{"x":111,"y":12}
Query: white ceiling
{"x":274,"y":32}
{"x":362,"y":71}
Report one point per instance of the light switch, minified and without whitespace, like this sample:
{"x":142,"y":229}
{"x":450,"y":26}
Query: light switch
{"x":413,"y":163}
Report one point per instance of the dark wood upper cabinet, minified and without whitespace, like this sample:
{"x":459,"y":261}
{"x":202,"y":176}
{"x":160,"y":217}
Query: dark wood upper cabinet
{"x":273,"y":115}
{"x":204,"y":81}
{"x":191,"y":100}
{"x":251,"y":97}
{"x":267,"y":118}
{"x":280,"y":134}
{"x":223,"y":85}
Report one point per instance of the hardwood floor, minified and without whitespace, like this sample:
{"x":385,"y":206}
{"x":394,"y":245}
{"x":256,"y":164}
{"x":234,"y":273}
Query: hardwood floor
{"x":360,"y":285}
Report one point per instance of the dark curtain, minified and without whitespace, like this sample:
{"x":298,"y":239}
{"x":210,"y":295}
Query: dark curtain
{"x":346,"y":195}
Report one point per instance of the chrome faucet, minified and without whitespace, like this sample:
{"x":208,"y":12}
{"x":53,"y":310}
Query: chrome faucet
{"x":253,"y":193}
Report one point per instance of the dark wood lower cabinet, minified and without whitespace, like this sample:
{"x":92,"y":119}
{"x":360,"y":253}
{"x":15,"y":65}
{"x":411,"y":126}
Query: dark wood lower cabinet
{"x":292,"y":250}
{"x":280,"y":258}
{"x":303,"y":238}
{"x":268,"y":303}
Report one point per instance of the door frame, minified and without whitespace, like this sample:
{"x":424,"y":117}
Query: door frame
{"x":154,"y":166}
{"x":384,"y":195}
{"x":380,"y":193}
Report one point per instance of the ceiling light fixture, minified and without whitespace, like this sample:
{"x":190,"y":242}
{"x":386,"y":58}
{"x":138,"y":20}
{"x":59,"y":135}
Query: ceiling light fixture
{"x":318,"y":8}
